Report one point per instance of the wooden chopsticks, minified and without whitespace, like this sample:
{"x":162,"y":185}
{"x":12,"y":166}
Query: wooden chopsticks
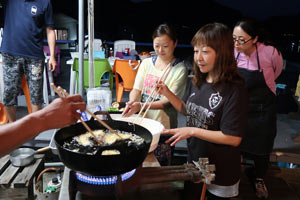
{"x":154,"y":94}
{"x":63,"y":93}
{"x":103,"y":123}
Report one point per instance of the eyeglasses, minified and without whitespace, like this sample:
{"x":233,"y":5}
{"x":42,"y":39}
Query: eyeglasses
{"x":241,"y":41}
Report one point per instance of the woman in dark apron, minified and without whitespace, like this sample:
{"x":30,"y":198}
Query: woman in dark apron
{"x":260,"y":65}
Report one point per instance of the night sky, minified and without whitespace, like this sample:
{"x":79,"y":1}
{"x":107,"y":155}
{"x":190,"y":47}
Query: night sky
{"x":185,"y":13}
{"x":142,"y":16}
{"x":263,"y":9}
{"x":136,"y":19}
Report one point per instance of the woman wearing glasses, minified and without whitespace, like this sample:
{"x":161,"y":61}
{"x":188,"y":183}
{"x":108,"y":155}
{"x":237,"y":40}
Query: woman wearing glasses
{"x":260,"y":64}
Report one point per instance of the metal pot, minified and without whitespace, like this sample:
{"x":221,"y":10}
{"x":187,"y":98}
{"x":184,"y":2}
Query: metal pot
{"x":24,"y":156}
{"x":98,"y":164}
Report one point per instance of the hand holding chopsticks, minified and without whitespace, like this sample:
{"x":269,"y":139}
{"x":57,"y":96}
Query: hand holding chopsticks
{"x":63,"y":93}
{"x":154,"y":93}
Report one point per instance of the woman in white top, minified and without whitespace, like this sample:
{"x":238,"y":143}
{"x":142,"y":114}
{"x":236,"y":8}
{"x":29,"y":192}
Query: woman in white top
{"x":150,"y":71}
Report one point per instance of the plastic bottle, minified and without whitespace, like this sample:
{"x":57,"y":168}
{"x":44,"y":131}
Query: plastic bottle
{"x":111,"y":52}
{"x":98,"y":98}
{"x":106,"y":50}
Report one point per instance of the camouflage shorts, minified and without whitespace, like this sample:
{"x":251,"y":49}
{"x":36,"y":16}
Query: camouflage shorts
{"x":14,"y":67}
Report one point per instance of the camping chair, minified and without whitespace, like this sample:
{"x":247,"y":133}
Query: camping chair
{"x":120,"y":45}
{"x":126,"y":70}
{"x":97,"y":46}
{"x":102,"y":66}
{"x":3,"y":116}
{"x":24,"y":86}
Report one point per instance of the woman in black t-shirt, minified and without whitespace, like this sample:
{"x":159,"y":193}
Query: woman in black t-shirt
{"x":216,"y":108}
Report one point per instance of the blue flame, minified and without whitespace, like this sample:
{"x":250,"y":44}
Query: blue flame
{"x":103,"y":180}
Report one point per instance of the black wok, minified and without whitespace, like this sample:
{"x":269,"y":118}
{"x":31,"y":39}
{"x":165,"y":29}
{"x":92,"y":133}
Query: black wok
{"x":97,"y":164}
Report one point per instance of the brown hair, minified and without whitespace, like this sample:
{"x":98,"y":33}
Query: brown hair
{"x":219,"y":37}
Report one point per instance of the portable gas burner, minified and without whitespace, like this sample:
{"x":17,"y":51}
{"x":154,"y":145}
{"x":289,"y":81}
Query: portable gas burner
{"x":106,"y":187}
{"x":140,"y":183}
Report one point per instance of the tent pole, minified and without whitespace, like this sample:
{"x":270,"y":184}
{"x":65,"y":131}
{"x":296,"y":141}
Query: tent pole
{"x":91,"y":43}
{"x":81,"y":43}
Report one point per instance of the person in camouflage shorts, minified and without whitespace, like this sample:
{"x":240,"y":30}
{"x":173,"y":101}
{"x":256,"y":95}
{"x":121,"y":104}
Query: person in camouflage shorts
{"x":13,"y":69}
{"x":22,"y":50}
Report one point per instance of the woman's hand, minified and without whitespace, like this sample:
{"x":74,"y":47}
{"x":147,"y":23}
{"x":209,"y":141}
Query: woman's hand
{"x":162,"y":88}
{"x":131,"y":108}
{"x":178,"y":134}
{"x":216,"y":137}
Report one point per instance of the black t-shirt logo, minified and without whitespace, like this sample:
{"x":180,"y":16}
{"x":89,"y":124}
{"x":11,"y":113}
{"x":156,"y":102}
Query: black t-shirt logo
{"x":214,"y":100}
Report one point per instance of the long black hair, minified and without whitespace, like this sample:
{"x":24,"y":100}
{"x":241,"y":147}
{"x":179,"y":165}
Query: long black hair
{"x":165,"y":29}
{"x":253,"y":28}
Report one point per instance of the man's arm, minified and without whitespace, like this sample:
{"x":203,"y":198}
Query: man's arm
{"x":60,"y":113}
{"x":51,"y":43}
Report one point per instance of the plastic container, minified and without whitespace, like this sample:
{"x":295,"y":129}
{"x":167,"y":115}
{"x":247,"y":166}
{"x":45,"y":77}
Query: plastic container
{"x":111,"y":52}
{"x":98,"y":99}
